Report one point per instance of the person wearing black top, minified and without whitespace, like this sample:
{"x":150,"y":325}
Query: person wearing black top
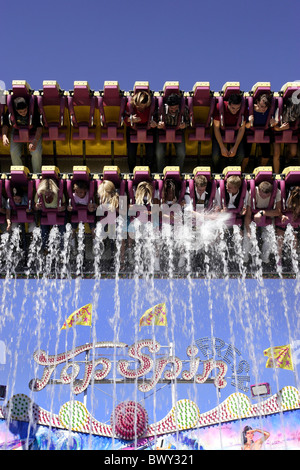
{"x":22,"y":119}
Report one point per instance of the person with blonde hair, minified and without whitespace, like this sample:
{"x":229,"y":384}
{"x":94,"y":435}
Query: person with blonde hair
{"x":108,"y":195}
{"x":144,"y":193}
{"x":106,"y":215}
{"x":137,"y":115}
{"x":232,"y":194}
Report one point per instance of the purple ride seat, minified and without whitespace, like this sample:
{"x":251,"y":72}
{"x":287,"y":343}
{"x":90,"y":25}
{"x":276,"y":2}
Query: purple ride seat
{"x":2,"y":216}
{"x":201,"y":106}
{"x":20,"y":88}
{"x":20,"y":177}
{"x":229,"y":132}
{"x":81,"y":214}
{"x":205,"y":171}
{"x":291,"y":135}
{"x":3,"y":108}
{"x":111,"y":104}
{"x":140,"y":174}
{"x":82,"y":105}
{"x":289,"y":177}
{"x":113,"y":174}
{"x":173,"y":172}
{"x":170,"y":134}
{"x":236,"y":218}
{"x":259,"y":134}
{"x":52,"y":105}
{"x":139,"y":133}
{"x":51,"y":216}
{"x":264,"y":173}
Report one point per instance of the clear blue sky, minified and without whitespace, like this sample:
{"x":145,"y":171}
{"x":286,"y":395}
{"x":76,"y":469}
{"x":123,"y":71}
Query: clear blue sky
{"x":131,"y":40}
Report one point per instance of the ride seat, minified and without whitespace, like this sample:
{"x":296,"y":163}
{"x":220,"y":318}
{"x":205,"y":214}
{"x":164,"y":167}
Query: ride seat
{"x":212,"y":183}
{"x":52,"y":216}
{"x":236,"y":218}
{"x":20,"y":177}
{"x":262,"y":174}
{"x":259,"y":134}
{"x":82,"y":106}
{"x":173,"y":172}
{"x":229,"y":132}
{"x":139,"y":133}
{"x":111,"y":104}
{"x":201,"y":105}
{"x":3,"y":108}
{"x":290,"y":177}
{"x":140,"y":174}
{"x":52,"y":104}
{"x":291,"y":135}
{"x":81,"y":213}
{"x":20,"y":88}
{"x":170,"y":134}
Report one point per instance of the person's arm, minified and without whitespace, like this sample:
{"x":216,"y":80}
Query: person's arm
{"x":5,"y":139}
{"x":247,"y":220}
{"x":269,"y":212}
{"x":219,"y":139}
{"x":250,"y":121}
{"x":238,"y":140}
{"x":259,"y":442}
{"x":186,"y":119}
{"x":8,"y":220}
{"x":283,"y":127}
{"x":38,"y":133}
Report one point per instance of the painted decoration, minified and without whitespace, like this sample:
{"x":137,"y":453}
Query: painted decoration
{"x":129,"y":420}
{"x":184,"y":415}
{"x":184,"y":427}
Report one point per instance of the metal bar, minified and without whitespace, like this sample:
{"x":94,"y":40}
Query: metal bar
{"x":131,"y":381}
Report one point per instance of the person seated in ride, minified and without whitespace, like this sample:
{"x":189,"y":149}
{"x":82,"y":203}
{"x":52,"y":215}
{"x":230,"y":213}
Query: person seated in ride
{"x":170,"y":118}
{"x":290,"y":114}
{"x":108,"y":195}
{"x":233,"y":193}
{"x":170,"y":196}
{"x":20,"y":198}
{"x":140,"y":105}
{"x":107,"y":212}
{"x":81,"y":197}
{"x":221,"y":155}
{"x":144,"y":195}
{"x":22,"y":119}
{"x":267,"y":204}
{"x":290,"y":216}
{"x":202,"y":194}
{"x":259,"y":118}
{"x":47,"y":196}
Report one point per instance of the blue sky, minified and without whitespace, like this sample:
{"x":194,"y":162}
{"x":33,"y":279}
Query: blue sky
{"x":157,"y":41}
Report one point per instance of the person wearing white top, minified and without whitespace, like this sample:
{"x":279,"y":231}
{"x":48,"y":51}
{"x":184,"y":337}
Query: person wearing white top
{"x":263,"y":193}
